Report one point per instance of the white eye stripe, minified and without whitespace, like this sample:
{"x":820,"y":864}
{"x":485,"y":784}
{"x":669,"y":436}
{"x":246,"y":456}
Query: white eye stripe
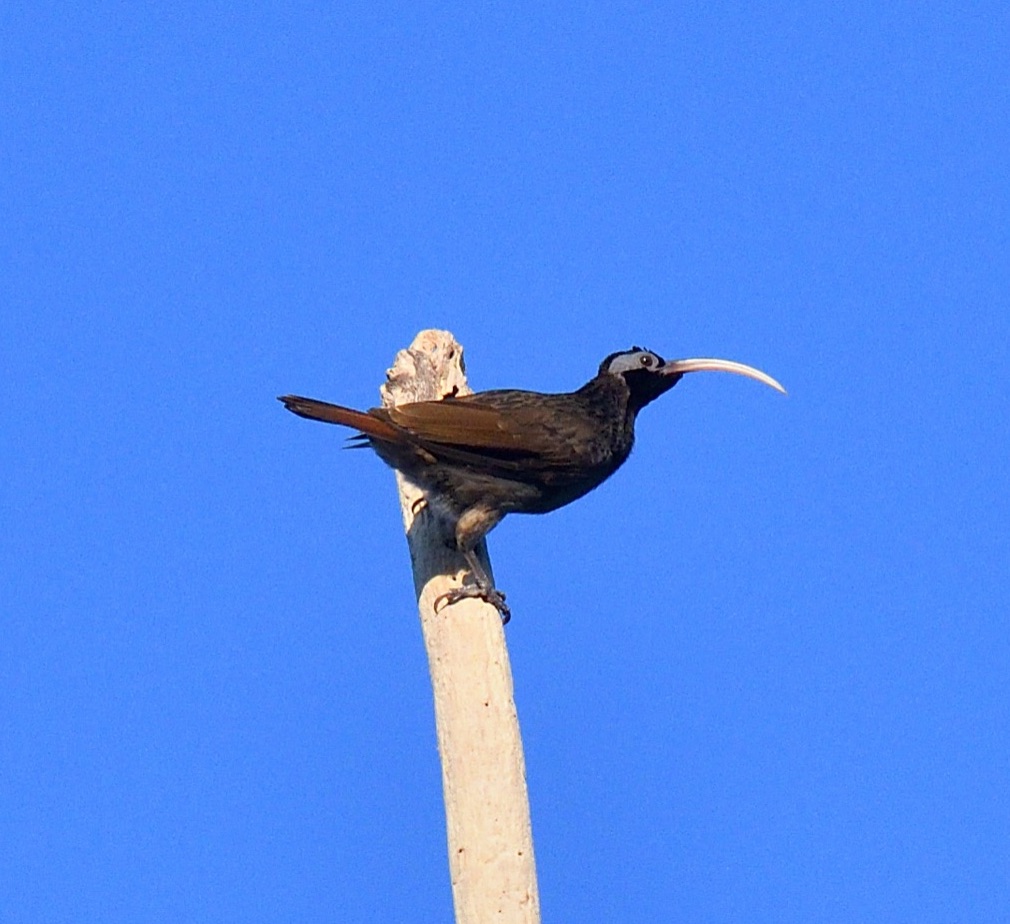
{"x":632,"y":360}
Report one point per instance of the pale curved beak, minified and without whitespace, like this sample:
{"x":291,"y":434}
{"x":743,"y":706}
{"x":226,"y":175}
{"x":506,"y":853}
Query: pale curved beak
{"x":681,"y":366}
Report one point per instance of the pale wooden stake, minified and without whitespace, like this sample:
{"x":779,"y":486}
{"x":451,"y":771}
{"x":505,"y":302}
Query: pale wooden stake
{"x":483,"y":773}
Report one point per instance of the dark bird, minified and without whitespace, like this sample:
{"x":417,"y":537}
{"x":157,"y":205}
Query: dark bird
{"x":482,"y":456}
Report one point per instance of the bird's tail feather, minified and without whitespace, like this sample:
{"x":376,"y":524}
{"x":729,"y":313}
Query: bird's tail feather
{"x":368,"y":424}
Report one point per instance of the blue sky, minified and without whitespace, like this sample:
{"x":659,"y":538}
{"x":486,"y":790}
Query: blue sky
{"x":762,"y":673}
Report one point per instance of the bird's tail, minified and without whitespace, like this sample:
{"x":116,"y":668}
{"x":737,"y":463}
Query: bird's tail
{"x":368,"y":424}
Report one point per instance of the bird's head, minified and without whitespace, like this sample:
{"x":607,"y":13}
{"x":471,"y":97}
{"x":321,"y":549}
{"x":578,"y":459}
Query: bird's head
{"x":648,"y":375}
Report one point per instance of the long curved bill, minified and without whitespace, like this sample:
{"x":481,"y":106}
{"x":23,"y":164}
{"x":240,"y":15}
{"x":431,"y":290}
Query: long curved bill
{"x":681,"y":366}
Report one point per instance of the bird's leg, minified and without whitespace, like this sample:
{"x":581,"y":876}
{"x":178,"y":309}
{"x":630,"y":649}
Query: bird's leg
{"x":471,"y":527}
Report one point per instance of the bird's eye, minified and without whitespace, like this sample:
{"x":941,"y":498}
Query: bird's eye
{"x":646,"y":360}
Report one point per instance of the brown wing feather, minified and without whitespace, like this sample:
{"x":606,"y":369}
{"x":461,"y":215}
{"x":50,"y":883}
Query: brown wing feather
{"x":506,"y":424}
{"x":458,"y":422}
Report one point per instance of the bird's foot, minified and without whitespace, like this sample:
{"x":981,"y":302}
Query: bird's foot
{"x":474,"y":591}
{"x":420,"y":503}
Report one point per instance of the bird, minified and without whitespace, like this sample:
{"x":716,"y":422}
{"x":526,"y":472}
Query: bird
{"x":482,"y":456}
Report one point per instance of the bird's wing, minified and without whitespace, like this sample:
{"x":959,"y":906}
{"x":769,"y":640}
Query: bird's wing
{"x":505,"y":425}
{"x":458,"y":422}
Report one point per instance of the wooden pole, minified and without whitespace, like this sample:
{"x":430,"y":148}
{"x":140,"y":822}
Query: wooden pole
{"x":487,"y":812}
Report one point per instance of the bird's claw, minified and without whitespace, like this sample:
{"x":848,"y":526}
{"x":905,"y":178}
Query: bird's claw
{"x":474,"y":591}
